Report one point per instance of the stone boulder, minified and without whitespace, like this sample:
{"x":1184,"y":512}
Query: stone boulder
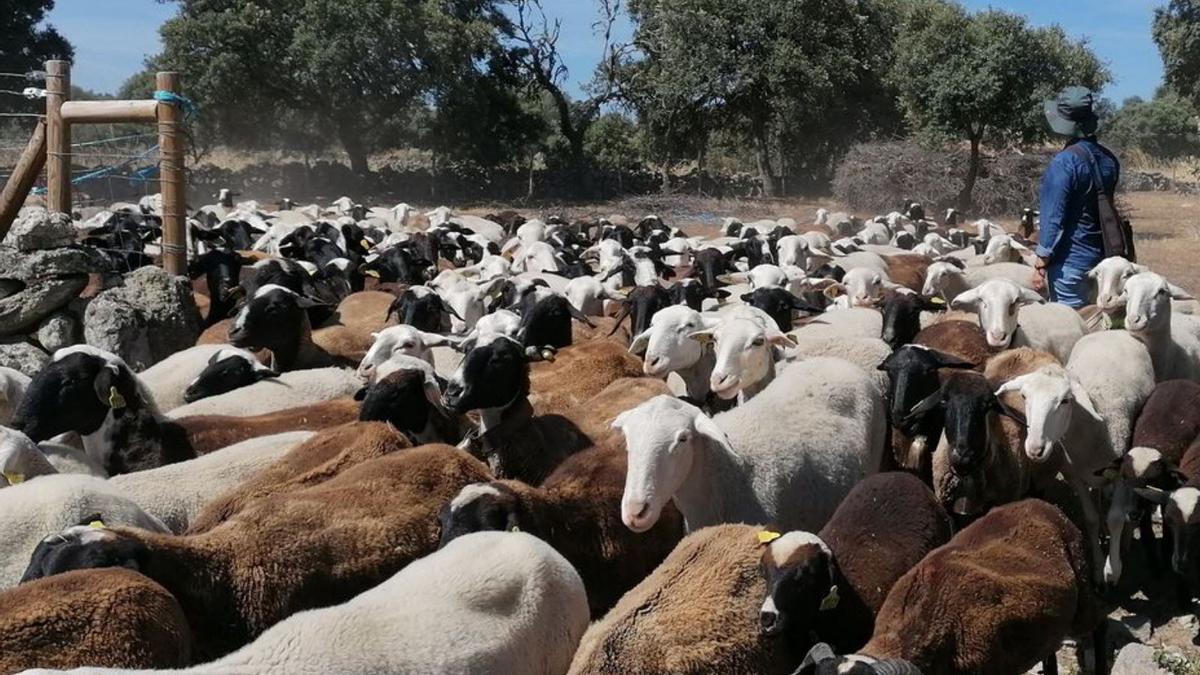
{"x":22,"y":356}
{"x":151,"y":316}
{"x":61,"y":329}
{"x":1136,"y":659}
{"x":22,"y":311}
{"x":36,"y":228}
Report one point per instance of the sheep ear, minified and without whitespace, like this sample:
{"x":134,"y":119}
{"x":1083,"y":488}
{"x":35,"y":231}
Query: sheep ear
{"x":1153,"y":494}
{"x":832,"y":291}
{"x":703,"y":336}
{"x":1082,"y":398}
{"x":928,"y":404}
{"x":966,"y":299}
{"x":780,"y":339}
{"x":1016,"y":384}
{"x":1178,"y":293}
{"x":1030,"y":297}
{"x":640,"y":342}
{"x":948,"y":361}
{"x":706,"y":426}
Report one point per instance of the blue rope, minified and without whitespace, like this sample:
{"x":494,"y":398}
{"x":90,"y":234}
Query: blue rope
{"x":106,"y":170}
{"x":171,"y":97}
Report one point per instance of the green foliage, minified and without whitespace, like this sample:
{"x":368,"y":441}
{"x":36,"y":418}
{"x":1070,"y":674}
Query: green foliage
{"x":26,"y":43}
{"x":983,"y":77}
{"x":612,"y":143}
{"x":346,"y":69}
{"x":791,"y":74}
{"x":1164,"y":128}
{"x":1177,"y":33}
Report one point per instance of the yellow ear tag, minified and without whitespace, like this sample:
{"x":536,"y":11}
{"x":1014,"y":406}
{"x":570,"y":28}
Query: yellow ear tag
{"x":365,"y":243}
{"x":371,"y":273}
{"x":115,"y":400}
{"x":830,"y":601}
{"x":767,"y":536}
{"x":97,"y":525}
{"x":1110,"y":474}
{"x":13,"y":478}
{"x":937,"y":300}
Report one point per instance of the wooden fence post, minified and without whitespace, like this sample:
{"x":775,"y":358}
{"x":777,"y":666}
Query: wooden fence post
{"x":171,"y":145}
{"x":58,"y":138}
{"x":24,"y":175}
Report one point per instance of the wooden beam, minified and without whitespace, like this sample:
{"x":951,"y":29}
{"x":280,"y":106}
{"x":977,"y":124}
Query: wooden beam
{"x":171,"y":147}
{"x":24,"y":175}
{"x":111,"y":112}
{"x":58,"y":138}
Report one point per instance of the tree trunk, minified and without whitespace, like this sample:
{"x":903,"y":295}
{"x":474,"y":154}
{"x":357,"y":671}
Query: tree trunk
{"x":763,"y":155}
{"x":964,"y":197}
{"x":665,"y":174}
{"x":353,"y":145}
{"x":529,"y":192}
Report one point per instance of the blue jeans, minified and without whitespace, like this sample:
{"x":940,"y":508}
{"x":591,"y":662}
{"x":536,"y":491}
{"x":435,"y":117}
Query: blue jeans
{"x":1068,"y":284}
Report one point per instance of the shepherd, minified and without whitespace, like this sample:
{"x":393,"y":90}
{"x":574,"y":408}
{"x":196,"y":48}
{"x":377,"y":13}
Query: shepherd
{"x":1079,"y":222}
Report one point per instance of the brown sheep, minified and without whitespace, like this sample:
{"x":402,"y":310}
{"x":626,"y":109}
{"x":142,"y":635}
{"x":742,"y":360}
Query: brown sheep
{"x":998,"y":599}
{"x":318,"y":459}
{"x":578,"y":512}
{"x":606,"y":327}
{"x":578,"y":373}
{"x":907,"y":270}
{"x":348,"y":332}
{"x":829,"y":587}
{"x":112,"y":618}
{"x":696,"y":613}
{"x":1168,"y":421}
{"x":285,"y":553}
{"x":205,"y":433}
{"x":962,"y":339}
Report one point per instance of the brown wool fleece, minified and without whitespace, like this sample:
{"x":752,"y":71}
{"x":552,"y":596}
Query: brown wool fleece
{"x":578,"y":512}
{"x":1168,"y":421}
{"x":578,"y":373}
{"x":961,"y":339}
{"x":996,"y":600}
{"x":207,"y":433}
{"x":315,"y":461}
{"x":907,"y":270}
{"x":308,"y":548}
{"x":112,"y":618}
{"x":696,"y":613}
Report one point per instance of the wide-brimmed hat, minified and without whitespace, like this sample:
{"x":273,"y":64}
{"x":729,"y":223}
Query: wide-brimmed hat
{"x":1071,"y":113}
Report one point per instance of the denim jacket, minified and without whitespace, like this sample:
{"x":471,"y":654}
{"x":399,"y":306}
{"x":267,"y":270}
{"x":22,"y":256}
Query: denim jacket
{"x":1070,"y":227}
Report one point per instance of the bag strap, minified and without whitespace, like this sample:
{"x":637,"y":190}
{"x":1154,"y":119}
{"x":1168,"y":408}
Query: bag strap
{"x":1080,"y":150}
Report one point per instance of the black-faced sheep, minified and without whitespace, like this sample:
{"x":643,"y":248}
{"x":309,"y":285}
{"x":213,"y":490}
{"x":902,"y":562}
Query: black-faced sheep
{"x":830,"y":586}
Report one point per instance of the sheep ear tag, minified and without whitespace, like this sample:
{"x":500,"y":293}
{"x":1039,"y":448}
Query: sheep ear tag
{"x":13,"y":478}
{"x":767,"y":536}
{"x":97,"y":525}
{"x":371,"y":273}
{"x":937,"y":300}
{"x":514,"y":528}
{"x":830,"y":601}
{"x":115,"y":400}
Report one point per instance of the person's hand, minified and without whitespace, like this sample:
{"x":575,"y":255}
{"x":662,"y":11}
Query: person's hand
{"x":1039,"y":274}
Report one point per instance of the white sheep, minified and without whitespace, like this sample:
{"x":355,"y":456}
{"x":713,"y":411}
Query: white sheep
{"x":1173,"y":341}
{"x":587,"y":295}
{"x":1005,"y":248}
{"x":849,"y":322}
{"x":489,"y":602}
{"x":786,"y":457}
{"x":667,"y":347}
{"x":1088,"y":409}
{"x":1011,"y":315}
{"x":289,"y":390}
{"x":1108,"y":278}
{"x":13,"y":384}
{"x":745,"y":355}
{"x":175,"y":493}
{"x":400,"y":339}
{"x":946,"y":280}
{"x":21,"y":459}
{"x":34,"y":509}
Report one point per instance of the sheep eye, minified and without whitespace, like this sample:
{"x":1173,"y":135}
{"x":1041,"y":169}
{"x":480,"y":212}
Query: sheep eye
{"x":759,"y":341}
{"x":1012,"y":309}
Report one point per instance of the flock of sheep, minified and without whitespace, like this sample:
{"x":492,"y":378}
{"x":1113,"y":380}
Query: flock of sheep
{"x":440,"y":443}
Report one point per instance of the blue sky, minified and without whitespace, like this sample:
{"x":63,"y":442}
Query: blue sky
{"x":112,"y":37}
